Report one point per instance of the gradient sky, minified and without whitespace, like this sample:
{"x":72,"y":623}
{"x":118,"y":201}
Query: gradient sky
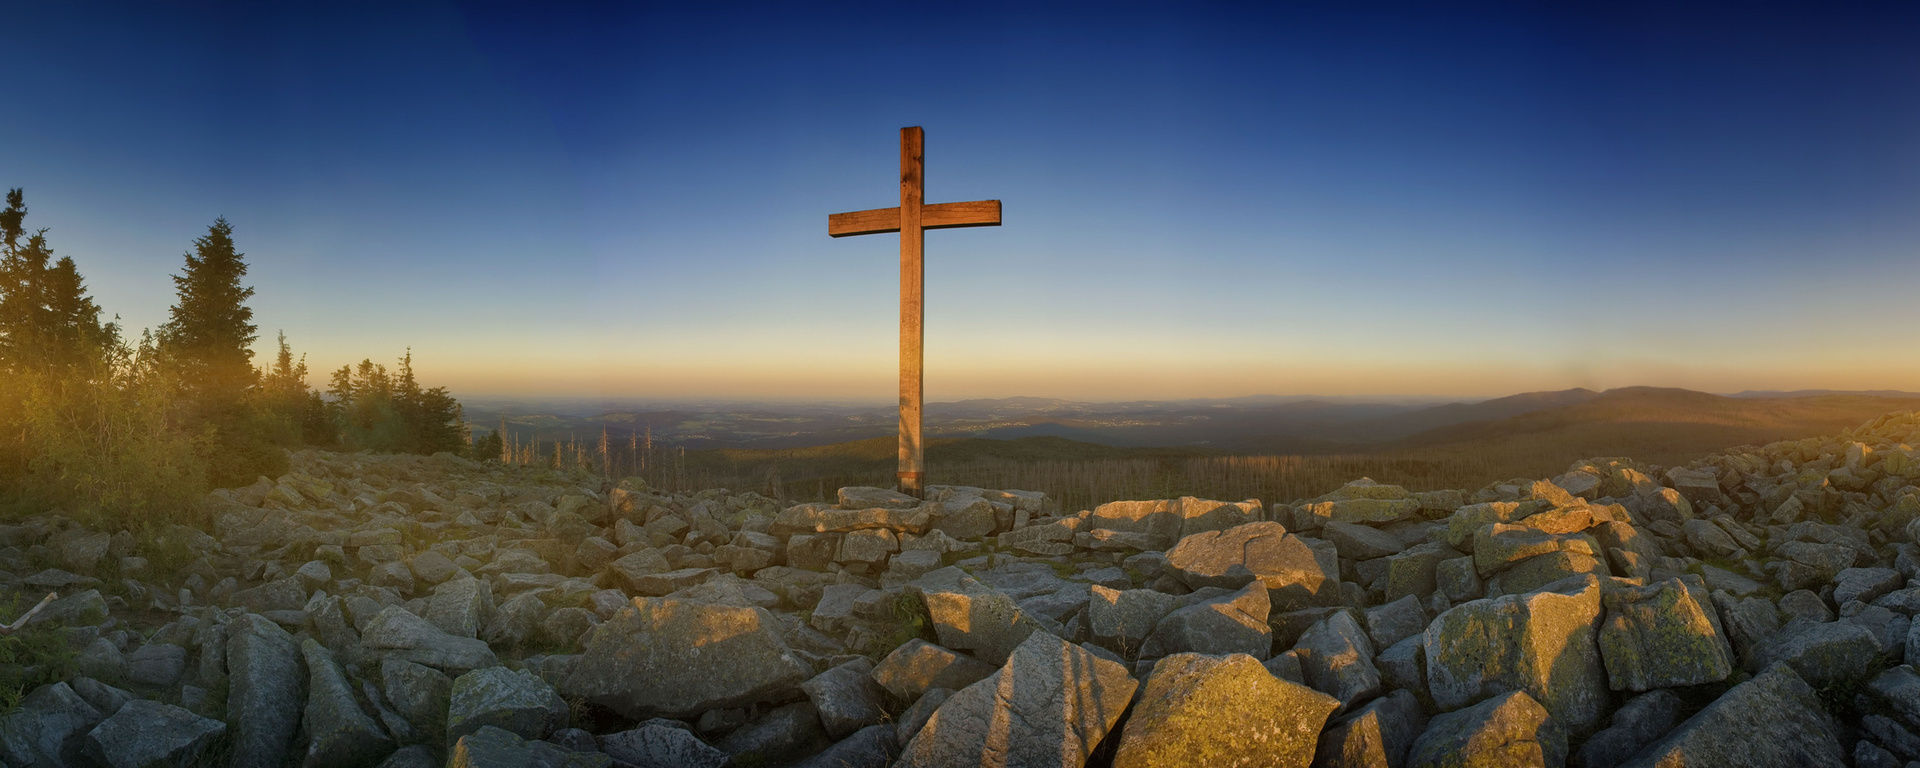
{"x":1199,"y":200}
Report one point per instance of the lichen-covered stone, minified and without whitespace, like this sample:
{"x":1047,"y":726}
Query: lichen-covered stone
{"x":38,"y":731}
{"x":1542,"y":643}
{"x":1661,"y":636}
{"x":1823,"y":653}
{"x":1415,"y":571}
{"x":1221,"y":711}
{"x":397,"y":632}
{"x":492,"y":747}
{"x":1121,"y":619}
{"x":661,"y":744}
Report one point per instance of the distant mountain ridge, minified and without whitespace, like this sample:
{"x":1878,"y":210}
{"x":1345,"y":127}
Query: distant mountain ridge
{"x":1662,"y":425}
{"x":1775,"y":393}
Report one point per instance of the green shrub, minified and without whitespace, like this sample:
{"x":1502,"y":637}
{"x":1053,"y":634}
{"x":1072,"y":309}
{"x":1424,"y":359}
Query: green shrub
{"x":107,"y":454}
{"x":34,"y":656}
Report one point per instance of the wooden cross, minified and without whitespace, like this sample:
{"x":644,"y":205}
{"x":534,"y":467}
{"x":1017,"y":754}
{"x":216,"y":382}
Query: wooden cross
{"x":911,"y":219}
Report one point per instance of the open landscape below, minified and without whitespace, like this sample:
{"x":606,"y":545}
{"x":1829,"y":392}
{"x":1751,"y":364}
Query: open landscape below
{"x":1455,"y":445}
{"x":1750,"y":606}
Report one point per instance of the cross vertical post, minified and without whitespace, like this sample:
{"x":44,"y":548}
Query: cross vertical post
{"x":913,"y":272}
{"x":911,"y":220}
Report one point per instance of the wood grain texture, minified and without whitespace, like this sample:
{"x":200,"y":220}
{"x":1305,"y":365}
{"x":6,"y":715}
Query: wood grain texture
{"x":912,"y":297}
{"x":973,"y":213}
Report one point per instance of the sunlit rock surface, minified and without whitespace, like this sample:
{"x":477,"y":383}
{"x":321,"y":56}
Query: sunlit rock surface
{"x":1200,"y":709}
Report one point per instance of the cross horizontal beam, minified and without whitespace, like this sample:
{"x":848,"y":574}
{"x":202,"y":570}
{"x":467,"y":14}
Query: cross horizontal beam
{"x":975,"y":213}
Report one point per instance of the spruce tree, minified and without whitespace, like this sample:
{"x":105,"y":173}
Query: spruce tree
{"x":209,"y":335}
{"x":207,"y":345}
{"x":47,"y":321}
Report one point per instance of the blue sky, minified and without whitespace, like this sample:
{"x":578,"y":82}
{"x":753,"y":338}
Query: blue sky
{"x":1200,"y":200}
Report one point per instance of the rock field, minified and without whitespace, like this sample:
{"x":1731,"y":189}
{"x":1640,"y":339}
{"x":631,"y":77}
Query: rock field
{"x":1751,"y":608}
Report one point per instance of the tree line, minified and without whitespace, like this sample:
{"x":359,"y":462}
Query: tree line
{"x":133,"y":433}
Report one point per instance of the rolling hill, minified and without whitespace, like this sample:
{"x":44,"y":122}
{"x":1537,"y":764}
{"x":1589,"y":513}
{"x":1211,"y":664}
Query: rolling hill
{"x":1529,"y":435}
{"x":1652,"y":424}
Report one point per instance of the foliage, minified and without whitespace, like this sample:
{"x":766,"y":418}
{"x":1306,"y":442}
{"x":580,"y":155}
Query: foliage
{"x":47,"y":322}
{"x":107,"y":453}
{"x":130,"y":438}
{"x":36,"y":655}
{"x":206,"y":348}
{"x":487,"y":448}
{"x":209,"y":334}
{"x":379,"y":411}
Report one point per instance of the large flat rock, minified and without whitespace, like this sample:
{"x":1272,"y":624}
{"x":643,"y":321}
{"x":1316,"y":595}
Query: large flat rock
{"x":661,"y":657}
